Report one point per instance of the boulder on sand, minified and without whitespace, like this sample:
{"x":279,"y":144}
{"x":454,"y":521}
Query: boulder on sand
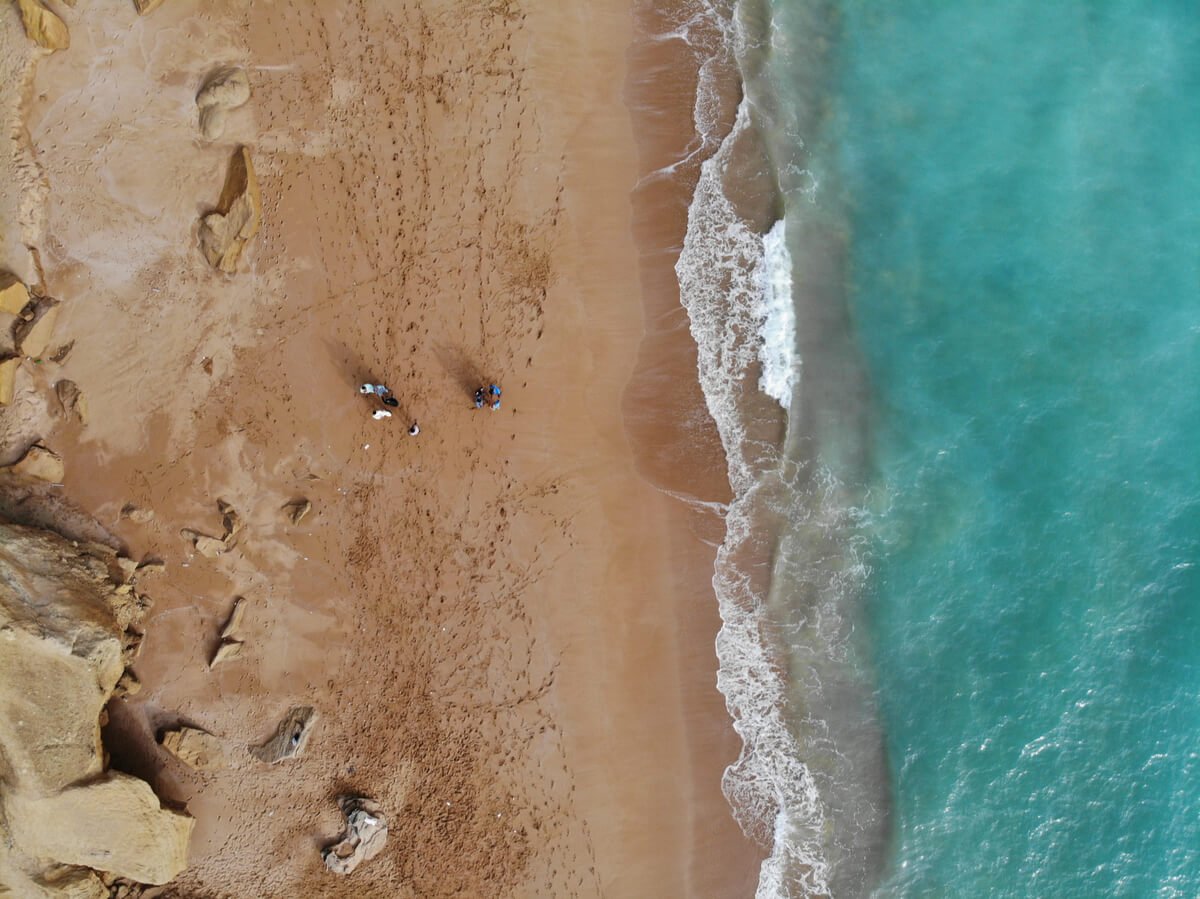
{"x":32,"y":335}
{"x":225,"y":90}
{"x":226,"y":231}
{"x":43,"y":27}
{"x":365,"y":836}
{"x":195,"y":748}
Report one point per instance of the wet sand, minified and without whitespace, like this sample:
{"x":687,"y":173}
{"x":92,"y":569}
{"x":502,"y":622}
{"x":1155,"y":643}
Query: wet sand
{"x":505,"y":628}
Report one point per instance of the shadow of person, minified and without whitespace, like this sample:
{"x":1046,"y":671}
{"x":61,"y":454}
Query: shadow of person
{"x":466,"y":374}
{"x":353,"y":368}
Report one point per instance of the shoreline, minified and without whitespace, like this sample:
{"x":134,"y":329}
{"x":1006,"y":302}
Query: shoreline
{"x":577,"y":747}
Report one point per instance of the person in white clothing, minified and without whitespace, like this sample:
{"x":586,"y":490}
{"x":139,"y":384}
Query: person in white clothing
{"x":414,"y":430}
{"x":381,"y":413}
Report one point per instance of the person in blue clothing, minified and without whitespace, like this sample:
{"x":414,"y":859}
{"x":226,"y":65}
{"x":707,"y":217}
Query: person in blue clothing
{"x":494,"y":393}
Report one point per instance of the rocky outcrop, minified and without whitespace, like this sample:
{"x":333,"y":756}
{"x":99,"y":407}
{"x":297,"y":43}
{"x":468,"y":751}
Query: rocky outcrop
{"x":67,"y":617}
{"x":365,"y":836}
{"x":227,"y":89}
{"x":114,"y":824}
{"x":39,"y":464}
{"x":43,"y":27}
{"x":145,"y":7}
{"x":225,"y":232}
{"x":195,"y":748}
{"x":33,"y":331}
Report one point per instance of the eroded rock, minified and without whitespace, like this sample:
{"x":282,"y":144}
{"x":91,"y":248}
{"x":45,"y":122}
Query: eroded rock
{"x":297,"y":509}
{"x":136,"y":514}
{"x":364,"y":838}
{"x":8,"y":378}
{"x":290,"y":737}
{"x":32,"y":334}
{"x":225,"y":232}
{"x":14,"y":295}
{"x":72,"y":400}
{"x":114,"y":823}
{"x":226,"y":652}
{"x":225,"y":90}
{"x":145,"y":7}
{"x":195,"y":748}
{"x":65,"y":639}
{"x":43,"y":27}
{"x":233,"y":626}
{"x":40,"y":464}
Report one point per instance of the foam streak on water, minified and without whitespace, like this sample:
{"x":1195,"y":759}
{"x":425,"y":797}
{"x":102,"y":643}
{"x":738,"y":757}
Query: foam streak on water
{"x":778,"y":351}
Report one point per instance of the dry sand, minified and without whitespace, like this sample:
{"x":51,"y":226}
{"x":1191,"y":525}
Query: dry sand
{"x":504,"y":629}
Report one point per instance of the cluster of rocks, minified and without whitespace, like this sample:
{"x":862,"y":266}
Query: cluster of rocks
{"x":68,"y":630}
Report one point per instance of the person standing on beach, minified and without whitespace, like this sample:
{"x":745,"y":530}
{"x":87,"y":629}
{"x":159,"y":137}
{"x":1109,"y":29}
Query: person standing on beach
{"x":494,"y":391}
{"x":413,"y":431}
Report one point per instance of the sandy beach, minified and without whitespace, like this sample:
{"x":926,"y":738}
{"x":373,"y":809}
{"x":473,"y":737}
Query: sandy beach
{"x":504,"y":625}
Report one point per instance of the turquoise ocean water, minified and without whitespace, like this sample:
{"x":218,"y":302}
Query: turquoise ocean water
{"x":996,"y":691}
{"x":1024,"y":187}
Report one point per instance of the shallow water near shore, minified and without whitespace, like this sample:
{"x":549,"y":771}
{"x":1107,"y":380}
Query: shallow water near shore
{"x":959,"y":594}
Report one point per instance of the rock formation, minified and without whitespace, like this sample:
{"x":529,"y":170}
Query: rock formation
{"x":32,"y":334}
{"x":211,"y":547}
{"x":43,"y":27}
{"x":71,"y":398}
{"x":66,"y":634}
{"x":365,"y":836}
{"x":290,"y":737}
{"x":225,"y":232}
{"x":145,"y":7}
{"x":195,"y":748}
{"x":227,"y":89}
{"x":297,"y":509}
{"x":39,"y":464}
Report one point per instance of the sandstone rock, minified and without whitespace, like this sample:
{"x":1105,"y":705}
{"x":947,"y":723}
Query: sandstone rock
{"x":225,"y":232}
{"x":145,"y":7}
{"x":225,"y":90}
{"x":209,"y":547}
{"x":63,"y":640}
{"x":72,"y":400}
{"x":60,"y":657}
{"x":195,"y":748}
{"x":39,"y":464}
{"x":297,"y":509}
{"x":233,"y":627}
{"x":365,"y":836}
{"x":114,"y":823}
{"x":8,"y":378}
{"x":33,"y":335}
{"x":44,"y":27}
{"x":150,"y":566}
{"x":14,"y":296}
{"x":135,"y":514}
{"x":290,"y":737}
{"x":226,"y":652}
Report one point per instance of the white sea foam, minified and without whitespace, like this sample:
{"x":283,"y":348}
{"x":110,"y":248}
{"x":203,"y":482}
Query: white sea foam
{"x":780,"y":364}
{"x":720,"y":272}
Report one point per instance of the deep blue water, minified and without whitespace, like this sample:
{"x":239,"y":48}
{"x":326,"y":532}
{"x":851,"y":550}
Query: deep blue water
{"x":1021,"y":188}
